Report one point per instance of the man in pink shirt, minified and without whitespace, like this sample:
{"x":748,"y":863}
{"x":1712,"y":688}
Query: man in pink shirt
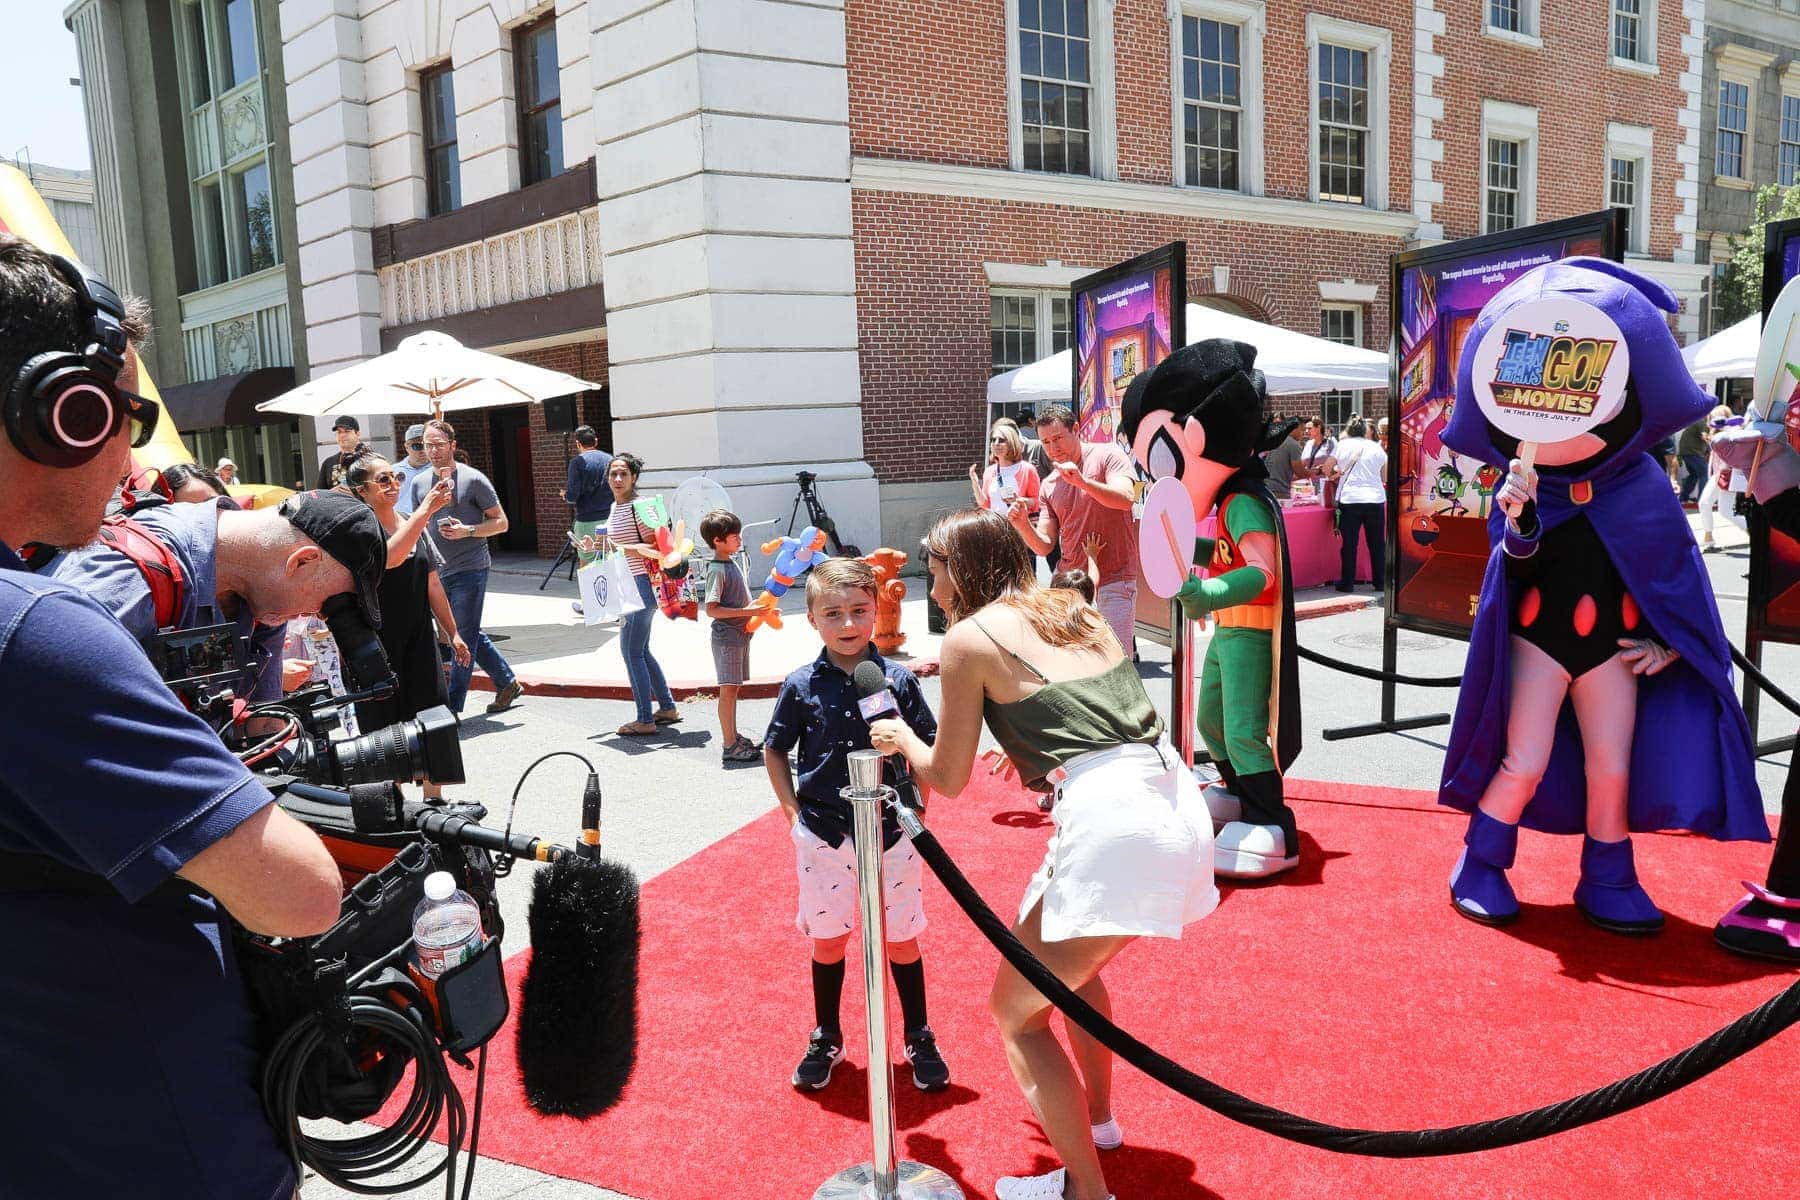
{"x":1088,"y":491}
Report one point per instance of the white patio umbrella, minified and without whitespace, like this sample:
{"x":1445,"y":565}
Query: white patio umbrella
{"x":1727,"y":354}
{"x":426,"y":373}
{"x":1291,"y":362}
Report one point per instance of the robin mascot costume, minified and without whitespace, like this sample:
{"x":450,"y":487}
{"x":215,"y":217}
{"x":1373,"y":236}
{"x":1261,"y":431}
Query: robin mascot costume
{"x":1201,"y":416}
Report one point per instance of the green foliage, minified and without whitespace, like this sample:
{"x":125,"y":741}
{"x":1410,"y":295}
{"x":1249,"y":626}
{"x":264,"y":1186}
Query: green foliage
{"x":1739,"y":292}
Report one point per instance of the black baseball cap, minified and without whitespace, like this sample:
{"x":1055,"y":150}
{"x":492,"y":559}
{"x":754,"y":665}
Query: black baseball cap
{"x":345,"y":528}
{"x":347,"y":422}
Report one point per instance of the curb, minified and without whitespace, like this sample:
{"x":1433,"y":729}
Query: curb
{"x":766,"y":689}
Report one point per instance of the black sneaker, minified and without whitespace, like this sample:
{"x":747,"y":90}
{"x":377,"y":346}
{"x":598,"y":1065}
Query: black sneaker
{"x":930,"y":1074}
{"x":823,"y":1053}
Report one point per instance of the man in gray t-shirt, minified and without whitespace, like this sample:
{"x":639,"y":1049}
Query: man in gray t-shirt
{"x":459,"y":532}
{"x":1282,"y":460}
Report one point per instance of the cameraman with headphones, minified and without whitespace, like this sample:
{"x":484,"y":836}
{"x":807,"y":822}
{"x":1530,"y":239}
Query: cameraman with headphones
{"x":125,"y":826}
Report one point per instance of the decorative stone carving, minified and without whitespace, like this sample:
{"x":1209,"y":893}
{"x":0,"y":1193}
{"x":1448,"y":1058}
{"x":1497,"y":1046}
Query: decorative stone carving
{"x":235,"y":345}
{"x":242,"y":123}
{"x":553,"y":256}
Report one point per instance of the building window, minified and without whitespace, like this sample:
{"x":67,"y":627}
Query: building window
{"x":1025,"y":326}
{"x":1340,"y":323}
{"x":1516,"y":20}
{"x":1622,"y":193}
{"x":1213,"y":103}
{"x":1627,"y":29}
{"x":1343,"y":124}
{"x":234,"y":206}
{"x":443,"y":173}
{"x":540,"y":102}
{"x":1734,"y":125}
{"x":1501,"y":209}
{"x":1787,"y":166}
{"x":1056,"y":86}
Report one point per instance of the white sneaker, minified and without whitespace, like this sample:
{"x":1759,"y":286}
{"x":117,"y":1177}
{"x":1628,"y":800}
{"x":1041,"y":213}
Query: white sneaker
{"x":1242,"y":851}
{"x":1223,"y":804}
{"x":1107,"y":1135}
{"x":1030,"y":1187}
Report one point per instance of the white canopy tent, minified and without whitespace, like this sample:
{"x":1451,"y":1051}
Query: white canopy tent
{"x":1291,"y":362}
{"x":1728,"y":354}
{"x":428,"y":372}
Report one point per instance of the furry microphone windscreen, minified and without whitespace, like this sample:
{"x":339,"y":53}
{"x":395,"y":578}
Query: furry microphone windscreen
{"x":578,"y":1005}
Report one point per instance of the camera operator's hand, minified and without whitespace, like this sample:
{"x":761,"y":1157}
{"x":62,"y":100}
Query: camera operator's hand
{"x":295,"y":672}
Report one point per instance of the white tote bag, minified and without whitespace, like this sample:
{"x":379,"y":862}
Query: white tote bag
{"x":608,"y":591}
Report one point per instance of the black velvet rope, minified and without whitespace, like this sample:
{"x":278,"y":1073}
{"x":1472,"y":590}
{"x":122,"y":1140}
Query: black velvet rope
{"x":1762,"y":681}
{"x":1338,"y":664}
{"x":1734,"y":1040}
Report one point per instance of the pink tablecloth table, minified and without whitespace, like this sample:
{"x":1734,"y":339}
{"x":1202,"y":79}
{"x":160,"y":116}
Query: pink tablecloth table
{"x":1313,"y":548}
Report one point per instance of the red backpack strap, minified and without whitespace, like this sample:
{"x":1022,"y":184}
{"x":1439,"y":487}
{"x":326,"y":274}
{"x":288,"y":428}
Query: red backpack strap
{"x":155,"y":562}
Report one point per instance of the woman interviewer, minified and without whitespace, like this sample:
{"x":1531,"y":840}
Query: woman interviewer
{"x":1132,"y":852}
{"x":410,"y":596}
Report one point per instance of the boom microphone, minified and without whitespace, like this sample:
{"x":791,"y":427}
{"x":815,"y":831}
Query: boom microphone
{"x":578,"y":1005}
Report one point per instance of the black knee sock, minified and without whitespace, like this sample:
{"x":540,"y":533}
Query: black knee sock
{"x":828,"y":988}
{"x":909,"y":981}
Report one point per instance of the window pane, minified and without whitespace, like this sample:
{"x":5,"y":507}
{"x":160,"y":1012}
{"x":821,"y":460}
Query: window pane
{"x":210,"y":227}
{"x":258,"y":208}
{"x":1078,"y":18}
{"x":1190,"y":37}
{"x":201,"y":66}
{"x":1031,"y":54}
{"x":1056,"y":57}
{"x":1053,"y":17}
{"x":240,"y":26}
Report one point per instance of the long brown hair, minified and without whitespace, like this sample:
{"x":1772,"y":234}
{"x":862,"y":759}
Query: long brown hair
{"x":989,"y":564}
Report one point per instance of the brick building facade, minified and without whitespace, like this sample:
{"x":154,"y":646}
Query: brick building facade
{"x":804,"y":235}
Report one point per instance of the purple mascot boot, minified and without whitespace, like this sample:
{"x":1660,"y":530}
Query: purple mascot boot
{"x":1478,"y":886}
{"x":1609,"y":895}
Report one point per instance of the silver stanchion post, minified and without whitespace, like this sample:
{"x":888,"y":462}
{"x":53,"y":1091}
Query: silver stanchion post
{"x":884,"y":1177}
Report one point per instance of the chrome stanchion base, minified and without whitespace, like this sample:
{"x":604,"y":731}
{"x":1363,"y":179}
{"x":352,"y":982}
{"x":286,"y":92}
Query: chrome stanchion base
{"x":917,"y":1182}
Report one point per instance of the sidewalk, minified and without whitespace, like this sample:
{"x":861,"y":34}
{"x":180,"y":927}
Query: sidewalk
{"x":555,"y":653}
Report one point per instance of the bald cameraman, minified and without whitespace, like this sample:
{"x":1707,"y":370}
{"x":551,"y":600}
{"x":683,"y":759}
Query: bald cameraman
{"x":125,"y":1036}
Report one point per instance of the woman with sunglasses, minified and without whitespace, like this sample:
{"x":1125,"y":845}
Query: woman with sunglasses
{"x":1009,"y":476}
{"x":411,"y":596}
{"x":1132,"y":852}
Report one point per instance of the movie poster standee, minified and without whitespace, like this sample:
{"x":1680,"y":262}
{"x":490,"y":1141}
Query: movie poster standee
{"x":1438,"y":501}
{"x":1774,"y":608}
{"x":1128,"y":318}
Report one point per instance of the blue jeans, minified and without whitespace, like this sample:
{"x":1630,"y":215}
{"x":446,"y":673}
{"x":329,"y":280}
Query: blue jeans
{"x":1695,"y":478}
{"x":641,"y":667}
{"x":466,"y":591}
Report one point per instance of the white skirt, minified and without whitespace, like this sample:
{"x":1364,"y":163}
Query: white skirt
{"x":1132,"y":851}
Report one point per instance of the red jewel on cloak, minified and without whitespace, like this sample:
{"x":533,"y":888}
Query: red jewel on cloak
{"x":1629,"y":611}
{"x":1529,"y":604}
{"x":1586,"y":613}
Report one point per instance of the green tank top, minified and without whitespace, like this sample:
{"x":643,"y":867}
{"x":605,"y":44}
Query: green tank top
{"x":1063,"y":720}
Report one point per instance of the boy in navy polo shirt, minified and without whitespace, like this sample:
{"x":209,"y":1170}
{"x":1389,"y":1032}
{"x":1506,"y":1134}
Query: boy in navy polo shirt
{"x":817,"y":712}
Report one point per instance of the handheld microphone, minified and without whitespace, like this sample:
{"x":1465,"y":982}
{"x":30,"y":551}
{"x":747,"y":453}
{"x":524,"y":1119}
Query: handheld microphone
{"x":873,"y":699}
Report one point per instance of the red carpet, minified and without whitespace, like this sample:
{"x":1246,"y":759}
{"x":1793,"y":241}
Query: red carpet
{"x":1349,"y":993}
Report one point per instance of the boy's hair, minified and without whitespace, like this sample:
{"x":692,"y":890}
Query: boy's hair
{"x":839,"y":573}
{"x":718,"y":525}
{"x":1075,"y":579}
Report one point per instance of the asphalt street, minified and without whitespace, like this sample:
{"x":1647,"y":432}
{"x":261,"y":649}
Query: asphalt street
{"x":668,"y":797}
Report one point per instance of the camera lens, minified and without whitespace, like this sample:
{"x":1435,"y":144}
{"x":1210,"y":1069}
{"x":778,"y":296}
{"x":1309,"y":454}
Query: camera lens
{"x":423,"y":747}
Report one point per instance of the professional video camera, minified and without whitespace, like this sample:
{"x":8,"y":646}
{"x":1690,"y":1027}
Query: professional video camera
{"x":340,"y":1016}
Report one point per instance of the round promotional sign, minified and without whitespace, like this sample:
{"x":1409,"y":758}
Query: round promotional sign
{"x":1550,"y":370}
{"x":1166,"y":536}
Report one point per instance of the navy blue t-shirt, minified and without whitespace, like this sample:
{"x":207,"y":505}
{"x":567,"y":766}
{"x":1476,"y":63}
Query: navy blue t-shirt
{"x":587,"y":488}
{"x":816,"y":711}
{"x":125,"y":1038}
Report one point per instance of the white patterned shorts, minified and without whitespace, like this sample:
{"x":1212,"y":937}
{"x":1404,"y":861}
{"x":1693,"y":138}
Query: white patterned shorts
{"x":827,"y":876}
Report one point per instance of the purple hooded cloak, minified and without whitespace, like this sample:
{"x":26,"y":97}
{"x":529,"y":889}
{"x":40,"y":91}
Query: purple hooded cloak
{"x":1692,"y":760}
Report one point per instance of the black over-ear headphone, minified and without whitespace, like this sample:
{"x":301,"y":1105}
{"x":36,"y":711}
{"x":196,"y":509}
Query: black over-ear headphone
{"x":63,"y":406}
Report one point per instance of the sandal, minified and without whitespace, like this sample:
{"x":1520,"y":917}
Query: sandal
{"x":668,"y":716}
{"x":637,"y":729}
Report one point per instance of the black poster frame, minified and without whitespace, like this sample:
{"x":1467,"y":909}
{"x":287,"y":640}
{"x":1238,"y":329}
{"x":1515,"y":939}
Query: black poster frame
{"x":1609,"y":226}
{"x":1173,"y":255}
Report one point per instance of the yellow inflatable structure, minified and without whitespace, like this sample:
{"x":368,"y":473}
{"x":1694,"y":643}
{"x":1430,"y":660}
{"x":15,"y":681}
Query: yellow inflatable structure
{"x":23,"y":213}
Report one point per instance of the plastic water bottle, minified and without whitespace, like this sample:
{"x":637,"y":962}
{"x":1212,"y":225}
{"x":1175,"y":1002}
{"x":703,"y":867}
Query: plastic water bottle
{"x":446,"y":925}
